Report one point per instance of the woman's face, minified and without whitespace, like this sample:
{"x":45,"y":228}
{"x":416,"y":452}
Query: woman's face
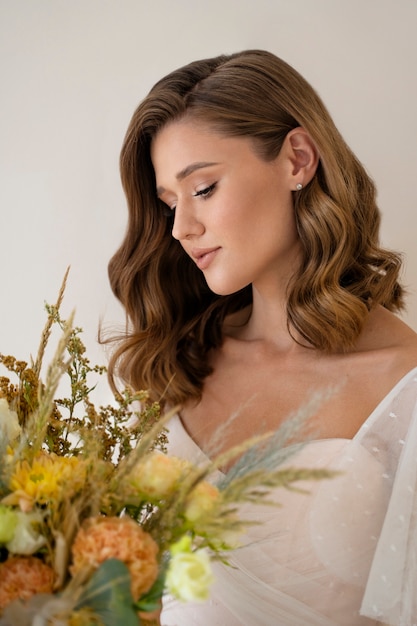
{"x":233,"y":212}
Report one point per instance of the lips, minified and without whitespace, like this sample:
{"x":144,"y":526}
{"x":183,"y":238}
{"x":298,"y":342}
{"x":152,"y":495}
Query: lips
{"x":204,"y":256}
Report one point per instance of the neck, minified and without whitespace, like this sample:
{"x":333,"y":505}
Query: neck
{"x":266,"y":323}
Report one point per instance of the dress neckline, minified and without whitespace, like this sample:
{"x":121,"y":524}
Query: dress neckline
{"x":194,"y":448}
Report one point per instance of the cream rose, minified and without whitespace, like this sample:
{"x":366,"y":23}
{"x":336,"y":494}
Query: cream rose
{"x":189,"y":576}
{"x":201,"y":501}
{"x":157,"y":476}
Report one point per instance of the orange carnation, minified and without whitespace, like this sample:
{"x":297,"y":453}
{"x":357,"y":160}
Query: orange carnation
{"x":120,"y":538}
{"x":22,"y":577}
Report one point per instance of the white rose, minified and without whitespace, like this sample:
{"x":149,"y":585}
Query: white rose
{"x":26,"y":539}
{"x":189,"y":576}
{"x":9,"y":423}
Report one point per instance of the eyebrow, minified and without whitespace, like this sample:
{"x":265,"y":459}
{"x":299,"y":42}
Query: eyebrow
{"x":193,"y":167}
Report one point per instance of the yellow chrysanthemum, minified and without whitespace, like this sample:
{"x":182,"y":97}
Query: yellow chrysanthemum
{"x":45,"y":480}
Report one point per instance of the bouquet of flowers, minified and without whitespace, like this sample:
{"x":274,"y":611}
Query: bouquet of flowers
{"x":96,"y":520}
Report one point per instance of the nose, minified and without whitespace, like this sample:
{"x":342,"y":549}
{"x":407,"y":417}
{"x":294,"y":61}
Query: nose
{"x":186,"y":224}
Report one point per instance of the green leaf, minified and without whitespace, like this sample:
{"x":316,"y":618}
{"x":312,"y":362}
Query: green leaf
{"x":151,"y":601}
{"x":108,"y":595}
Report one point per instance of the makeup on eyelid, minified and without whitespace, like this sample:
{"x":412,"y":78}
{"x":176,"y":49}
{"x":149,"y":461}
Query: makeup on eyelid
{"x":204,"y":193}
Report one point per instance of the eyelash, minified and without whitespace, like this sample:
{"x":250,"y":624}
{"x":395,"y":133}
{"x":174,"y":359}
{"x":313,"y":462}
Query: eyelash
{"x":203,"y":194}
{"x":206,"y":192}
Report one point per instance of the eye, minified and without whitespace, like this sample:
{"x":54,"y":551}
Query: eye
{"x":166,"y":209}
{"x":206,"y":192}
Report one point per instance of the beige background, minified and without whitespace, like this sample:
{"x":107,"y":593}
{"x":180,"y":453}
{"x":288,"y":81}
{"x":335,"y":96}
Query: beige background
{"x":71,"y":73}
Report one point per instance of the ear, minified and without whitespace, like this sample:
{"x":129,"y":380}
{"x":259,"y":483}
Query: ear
{"x":303,"y":155}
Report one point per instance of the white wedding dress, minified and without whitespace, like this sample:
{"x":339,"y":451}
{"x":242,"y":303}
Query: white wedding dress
{"x":345,"y":554}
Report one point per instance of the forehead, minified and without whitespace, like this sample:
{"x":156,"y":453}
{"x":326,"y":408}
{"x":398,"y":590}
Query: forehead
{"x":184,"y":142}
{"x":183,"y":134}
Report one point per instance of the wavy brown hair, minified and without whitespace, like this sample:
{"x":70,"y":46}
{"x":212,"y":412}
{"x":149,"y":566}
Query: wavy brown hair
{"x":174,"y":320}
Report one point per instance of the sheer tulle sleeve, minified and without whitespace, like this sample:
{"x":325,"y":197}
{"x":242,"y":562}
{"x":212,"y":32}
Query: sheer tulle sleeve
{"x":391,"y":591}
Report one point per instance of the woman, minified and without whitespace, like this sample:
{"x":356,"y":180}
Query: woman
{"x":252,"y":275}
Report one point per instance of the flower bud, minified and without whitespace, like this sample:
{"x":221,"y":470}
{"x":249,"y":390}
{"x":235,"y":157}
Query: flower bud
{"x":8,"y":523}
{"x":9,"y":423}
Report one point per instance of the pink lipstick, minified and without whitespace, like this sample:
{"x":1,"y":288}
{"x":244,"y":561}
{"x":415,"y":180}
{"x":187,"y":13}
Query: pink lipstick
{"x":204,"y":256}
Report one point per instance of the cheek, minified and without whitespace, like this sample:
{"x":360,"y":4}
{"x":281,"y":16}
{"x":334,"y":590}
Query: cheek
{"x":240,"y":209}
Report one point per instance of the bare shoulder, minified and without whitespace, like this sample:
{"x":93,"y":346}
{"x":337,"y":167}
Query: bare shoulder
{"x":386,"y":333}
{"x":279,"y":382}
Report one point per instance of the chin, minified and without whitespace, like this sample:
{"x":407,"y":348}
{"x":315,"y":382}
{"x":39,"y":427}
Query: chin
{"x":225,"y":289}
